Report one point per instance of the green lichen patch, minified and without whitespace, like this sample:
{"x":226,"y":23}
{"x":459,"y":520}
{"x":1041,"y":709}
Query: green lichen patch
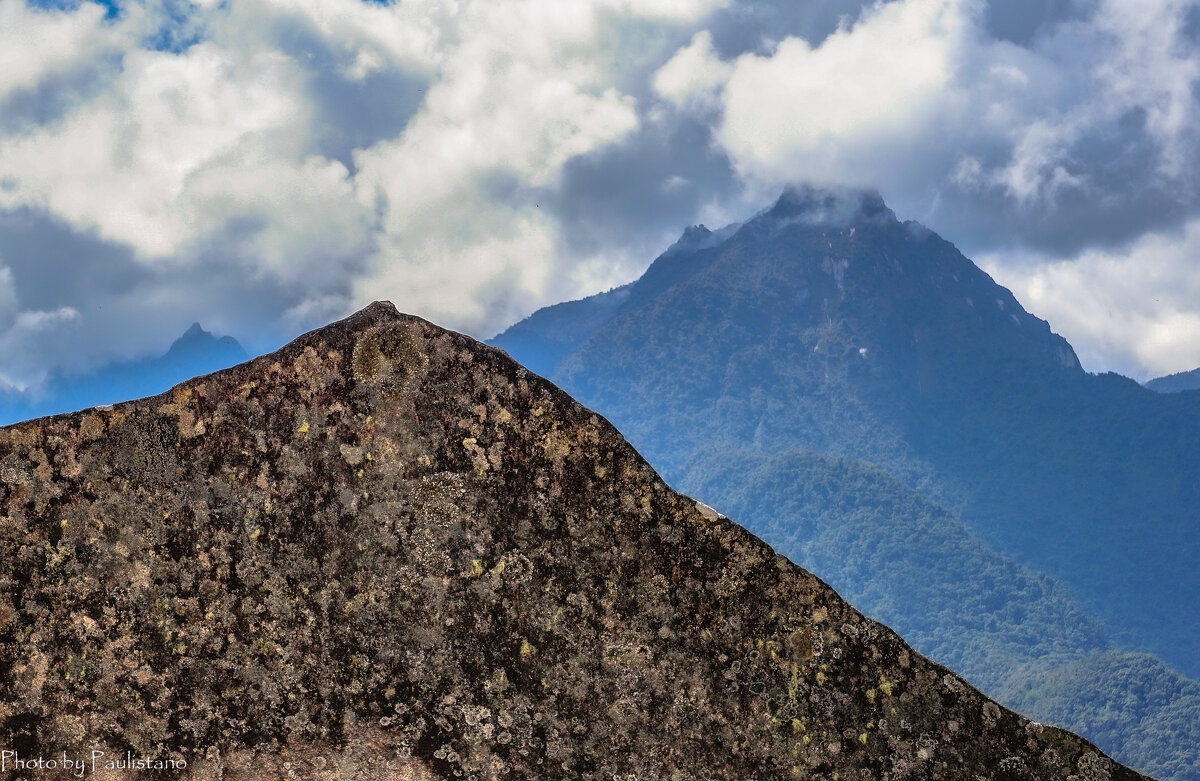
{"x":389,"y":360}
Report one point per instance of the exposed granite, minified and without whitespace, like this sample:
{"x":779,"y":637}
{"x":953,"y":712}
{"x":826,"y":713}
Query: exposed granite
{"x":388,"y":551}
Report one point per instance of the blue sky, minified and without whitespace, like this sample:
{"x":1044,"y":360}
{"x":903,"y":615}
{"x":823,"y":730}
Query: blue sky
{"x":265,"y":166}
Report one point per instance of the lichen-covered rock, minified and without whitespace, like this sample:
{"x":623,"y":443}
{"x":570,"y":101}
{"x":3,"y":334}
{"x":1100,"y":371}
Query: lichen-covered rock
{"x":388,"y":551}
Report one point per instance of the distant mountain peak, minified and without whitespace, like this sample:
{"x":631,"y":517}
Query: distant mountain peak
{"x":833,"y":206}
{"x":698,"y":237}
{"x":196,"y":339}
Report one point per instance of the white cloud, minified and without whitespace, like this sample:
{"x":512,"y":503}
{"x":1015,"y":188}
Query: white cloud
{"x":802,"y":111}
{"x":39,"y":44}
{"x":1151,"y":66}
{"x":914,"y":97}
{"x":24,"y":342}
{"x":123,"y":163}
{"x":1132,"y":310}
{"x":694,"y":77}
{"x":368,"y":36}
{"x":213,"y":150}
{"x":8,"y":296}
{"x":514,"y":102}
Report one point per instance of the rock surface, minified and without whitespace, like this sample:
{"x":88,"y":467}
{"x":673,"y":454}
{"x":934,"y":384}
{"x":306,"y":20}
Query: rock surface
{"x":388,"y":551}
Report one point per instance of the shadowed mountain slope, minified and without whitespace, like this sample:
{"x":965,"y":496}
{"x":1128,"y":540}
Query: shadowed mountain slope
{"x":389,"y":551}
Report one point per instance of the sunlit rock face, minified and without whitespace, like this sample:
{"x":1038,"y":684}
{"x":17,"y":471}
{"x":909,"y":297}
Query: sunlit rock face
{"x":388,"y":551}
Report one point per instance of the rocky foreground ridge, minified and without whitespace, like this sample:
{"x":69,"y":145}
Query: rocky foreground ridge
{"x":388,"y":551}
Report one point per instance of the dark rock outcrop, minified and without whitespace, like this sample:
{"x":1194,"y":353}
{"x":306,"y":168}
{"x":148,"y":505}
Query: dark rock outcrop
{"x":389,"y":551}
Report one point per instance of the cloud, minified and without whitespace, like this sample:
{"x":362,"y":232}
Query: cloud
{"x":976,"y":134}
{"x":37,"y":44}
{"x":467,"y":191}
{"x":1131,"y":310}
{"x":814,"y":113}
{"x":265,"y":166}
{"x":693,"y":77}
{"x":457,"y":190}
{"x":312,"y":155}
{"x":27,"y":328}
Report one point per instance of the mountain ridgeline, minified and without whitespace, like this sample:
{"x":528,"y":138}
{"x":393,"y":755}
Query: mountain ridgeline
{"x":1176,"y":383}
{"x":825,"y":328}
{"x":389,"y":551}
{"x":194,"y":353}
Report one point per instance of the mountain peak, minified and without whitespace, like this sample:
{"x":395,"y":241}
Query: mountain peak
{"x":202,"y":350}
{"x":833,"y":206}
{"x":697,"y":237}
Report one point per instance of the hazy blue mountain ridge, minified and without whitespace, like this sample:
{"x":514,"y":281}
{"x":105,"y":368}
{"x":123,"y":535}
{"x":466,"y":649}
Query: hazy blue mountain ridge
{"x":194,"y":353}
{"x":1175,"y":383}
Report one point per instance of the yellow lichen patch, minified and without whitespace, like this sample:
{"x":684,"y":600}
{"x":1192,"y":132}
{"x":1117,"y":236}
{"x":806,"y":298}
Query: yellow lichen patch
{"x":885,"y":686}
{"x":820,"y":677}
{"x":302,"y":428}
{"x":871,"y":695}
{"x":91,"y":427}
{"x":476,"y":568}
{"x":312,"y":371}
{"x":479,"y":459}
{"x":863,"y":738}
{"x":527,"y":649}
{"x":556,"y":446}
